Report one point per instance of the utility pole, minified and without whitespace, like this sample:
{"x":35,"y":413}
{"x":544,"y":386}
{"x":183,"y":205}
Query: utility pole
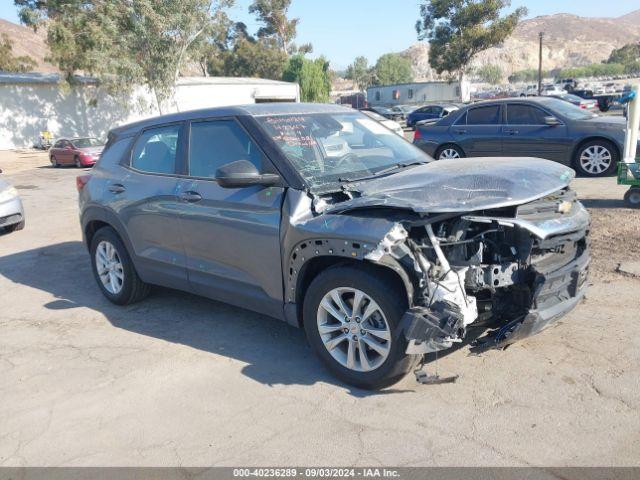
{"x":541,"y":35}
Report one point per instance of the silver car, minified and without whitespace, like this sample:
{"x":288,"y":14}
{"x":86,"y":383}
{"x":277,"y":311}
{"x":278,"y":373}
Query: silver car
{"x":11,"y":211}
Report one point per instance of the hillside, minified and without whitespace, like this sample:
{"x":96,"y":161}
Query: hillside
{"x":570,"y":40}
{"x":27,"y":42}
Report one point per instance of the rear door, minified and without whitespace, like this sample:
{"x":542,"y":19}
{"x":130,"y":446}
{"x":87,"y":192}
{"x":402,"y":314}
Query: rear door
{"x":146,"y":198}
{"x":479,"y":131}
{"x":527,"y":135}
{"x":231,"y":235}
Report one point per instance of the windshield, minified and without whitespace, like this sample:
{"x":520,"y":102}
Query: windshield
{"x":87,"y":142}
{"x":569,"y":110}
{"x":330,"y":148}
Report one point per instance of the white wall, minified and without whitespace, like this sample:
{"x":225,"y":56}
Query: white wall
{"x":28,"y":109}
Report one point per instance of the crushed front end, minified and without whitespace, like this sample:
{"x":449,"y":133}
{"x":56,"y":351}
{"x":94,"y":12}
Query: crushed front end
{"x":513,"y":270}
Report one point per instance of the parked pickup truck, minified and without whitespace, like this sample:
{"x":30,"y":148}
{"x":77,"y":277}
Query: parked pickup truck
{"x":319,"y":216}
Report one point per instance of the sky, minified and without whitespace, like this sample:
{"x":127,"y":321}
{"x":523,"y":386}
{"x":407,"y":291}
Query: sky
{"x":344,"y":29}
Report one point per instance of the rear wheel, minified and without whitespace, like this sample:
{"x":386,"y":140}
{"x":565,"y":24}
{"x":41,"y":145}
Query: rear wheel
{"x":632,"y":197}
{"x":449,"y":151}
{"x":114,"y":270}
{"x":596,"y":158}
{"x":351,"y":318}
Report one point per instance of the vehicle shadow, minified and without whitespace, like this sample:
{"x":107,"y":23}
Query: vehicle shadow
{"x":603,"y":203}
{"x":275,"y":352}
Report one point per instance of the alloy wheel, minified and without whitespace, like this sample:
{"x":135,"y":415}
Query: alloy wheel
{"x":595,"y":159}
{"x":354,"y":329}
{"x":109,"y":267}
{"x":448,"y":153}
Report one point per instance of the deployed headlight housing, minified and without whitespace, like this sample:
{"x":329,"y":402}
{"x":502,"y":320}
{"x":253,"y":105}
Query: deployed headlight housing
{"x":7,"y":194}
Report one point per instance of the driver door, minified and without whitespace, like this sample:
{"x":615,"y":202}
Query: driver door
{"x":231,"y":236}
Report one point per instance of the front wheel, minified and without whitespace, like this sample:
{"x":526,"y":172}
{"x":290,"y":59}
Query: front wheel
{"x":596,"y":158}
{"x":54,"y":162}
{"x":77,"y":162}
{"x":352,"y":318}
{"x":632,"y":197}
{"x":449,"y":151}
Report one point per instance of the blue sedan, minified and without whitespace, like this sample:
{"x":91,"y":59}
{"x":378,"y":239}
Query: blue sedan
{"x":429,"y":112}
{"x":541,"y":127}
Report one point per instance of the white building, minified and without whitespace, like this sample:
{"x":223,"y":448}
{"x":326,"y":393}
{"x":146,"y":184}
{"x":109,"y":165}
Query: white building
{"x":31,"y":103}
{"x":418,"y":93}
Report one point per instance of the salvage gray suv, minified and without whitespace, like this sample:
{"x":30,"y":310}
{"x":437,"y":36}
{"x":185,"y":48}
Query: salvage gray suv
{"x":322,"y":217}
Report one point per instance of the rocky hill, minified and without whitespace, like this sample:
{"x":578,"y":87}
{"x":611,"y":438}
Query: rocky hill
{"x":27,"y":42}
{"x":569,"y":41}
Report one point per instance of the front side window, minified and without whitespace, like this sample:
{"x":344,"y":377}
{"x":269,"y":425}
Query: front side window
{"x":213,"y":144}
{"x":156,"y":149}
{"x":524,"y":115}
{"x":330,"y":148}
{"x":484,"y":115}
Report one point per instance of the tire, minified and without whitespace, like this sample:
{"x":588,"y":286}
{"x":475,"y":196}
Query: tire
{"x":132,"y":289}
{"x":449,"y":151}
{"x":632,"y":197}
{"x":77,"y":162}
{"x":54,"y":162}
{"x":15,"y":227}
{"x":605,"y":158}
{"x":390,"y":304}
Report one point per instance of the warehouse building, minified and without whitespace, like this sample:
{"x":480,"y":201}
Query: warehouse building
{"x":31,"y":103}
{"x":418,"y":93}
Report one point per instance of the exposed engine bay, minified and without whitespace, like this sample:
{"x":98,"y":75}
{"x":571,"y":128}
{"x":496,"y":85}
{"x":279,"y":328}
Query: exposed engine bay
{"x":508,"y":269}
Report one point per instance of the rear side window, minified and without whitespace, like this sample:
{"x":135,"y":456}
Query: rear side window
{"x":484,"y":115}
{"x":524,"y":115}
{"x":114,"y":153}
{"x":216,"y":143}
{"x":155,"y":150}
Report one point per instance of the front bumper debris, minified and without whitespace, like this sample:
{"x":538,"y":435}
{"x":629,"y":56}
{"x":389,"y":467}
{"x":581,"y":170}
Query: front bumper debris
{"x":556,"y":294}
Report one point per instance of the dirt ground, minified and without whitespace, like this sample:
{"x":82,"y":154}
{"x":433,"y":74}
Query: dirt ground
{"x":181,"y":380}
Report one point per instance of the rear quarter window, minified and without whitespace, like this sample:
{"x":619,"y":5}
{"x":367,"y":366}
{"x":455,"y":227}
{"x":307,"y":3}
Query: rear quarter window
{"x":114,"y":152}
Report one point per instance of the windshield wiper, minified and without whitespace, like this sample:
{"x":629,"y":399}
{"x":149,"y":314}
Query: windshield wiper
{"x":382,"y":172}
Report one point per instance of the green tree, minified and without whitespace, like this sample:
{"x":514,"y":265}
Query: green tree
{"x":458,"y":30}
{"x":360,"y":73}
{"x":392,"y":68}
{"x":626,"y":55}
{"x":124,"y":43}
{"x":492,"y":74}
{"x":272,"y":14}
{"x":11,"y":63}
{"x":313,"y":76}
{"x":255,"y":58}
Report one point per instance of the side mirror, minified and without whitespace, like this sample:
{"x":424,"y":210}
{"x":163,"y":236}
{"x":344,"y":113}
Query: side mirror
{"x":243,"y":173}
{"x":551,"y":121}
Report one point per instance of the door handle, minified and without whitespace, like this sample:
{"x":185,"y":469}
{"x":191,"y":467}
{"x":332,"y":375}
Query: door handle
{"x":190,"y":197}
{"x":116,"y":188}
{"x":512,"y":132}
{"x":461,"y":131}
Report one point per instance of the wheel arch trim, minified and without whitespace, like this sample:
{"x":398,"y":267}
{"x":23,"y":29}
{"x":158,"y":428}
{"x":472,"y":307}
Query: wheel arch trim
{"x":329,"y":252}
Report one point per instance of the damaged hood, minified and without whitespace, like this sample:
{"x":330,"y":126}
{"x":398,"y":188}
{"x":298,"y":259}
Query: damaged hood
{"x":461,"y":185}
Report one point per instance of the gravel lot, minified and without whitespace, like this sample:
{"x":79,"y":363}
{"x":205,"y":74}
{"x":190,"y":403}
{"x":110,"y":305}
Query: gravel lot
{"x":180,"y":380}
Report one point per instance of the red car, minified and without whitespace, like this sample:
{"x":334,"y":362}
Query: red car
{"x":81,"y":152}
